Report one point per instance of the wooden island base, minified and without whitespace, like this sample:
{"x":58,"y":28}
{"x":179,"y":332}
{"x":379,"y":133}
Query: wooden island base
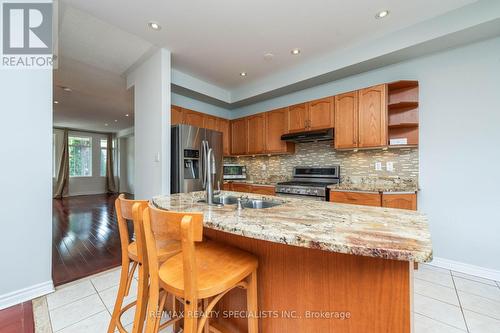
{"x":339,"y":292}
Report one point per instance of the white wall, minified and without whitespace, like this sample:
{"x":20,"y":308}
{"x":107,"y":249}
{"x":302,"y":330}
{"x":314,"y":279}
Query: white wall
{"x":25,"y":182}
{"x":151,"y":83}
{"x":459,"y":144}
{"x":127,"y":160}
{"x":193,"y":104}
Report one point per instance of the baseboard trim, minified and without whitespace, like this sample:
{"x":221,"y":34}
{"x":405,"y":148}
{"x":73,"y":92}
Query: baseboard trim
{"x":457,"y":266}
{"x":26,"y":294}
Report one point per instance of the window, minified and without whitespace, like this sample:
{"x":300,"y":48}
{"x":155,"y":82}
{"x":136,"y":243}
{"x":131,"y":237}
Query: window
{"x":104,"y":156}
{"x":80,"y":156}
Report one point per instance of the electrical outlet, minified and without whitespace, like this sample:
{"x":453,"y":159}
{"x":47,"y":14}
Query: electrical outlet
{"x":378,"y":166}
{"x":264,"y":167}
{"x":390,"y":166}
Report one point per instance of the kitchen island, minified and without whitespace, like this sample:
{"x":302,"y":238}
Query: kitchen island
{"x":323,"y":267}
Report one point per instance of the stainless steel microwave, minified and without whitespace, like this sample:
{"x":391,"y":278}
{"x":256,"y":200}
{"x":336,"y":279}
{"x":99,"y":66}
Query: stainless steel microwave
{"x":235,"y":171}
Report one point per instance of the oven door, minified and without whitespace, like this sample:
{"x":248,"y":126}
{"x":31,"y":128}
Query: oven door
{"x":301,"y":196}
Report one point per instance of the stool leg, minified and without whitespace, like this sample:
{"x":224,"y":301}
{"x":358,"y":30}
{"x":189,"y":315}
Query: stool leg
{"x":190,"y":317}
{"x":206,"y":328}
{"x":122,"y":290}
{"x":142,"y":300}
{"x":252,"y":307}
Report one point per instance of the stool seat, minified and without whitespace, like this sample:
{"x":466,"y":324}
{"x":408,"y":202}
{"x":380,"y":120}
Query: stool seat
{"x":166,"y":249}
{"x":219,"y":267}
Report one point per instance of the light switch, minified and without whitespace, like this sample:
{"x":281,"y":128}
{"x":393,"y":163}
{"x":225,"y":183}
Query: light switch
{"x":157,"y":157}
{"x":390,"y":166}
{"x":378,"y":166}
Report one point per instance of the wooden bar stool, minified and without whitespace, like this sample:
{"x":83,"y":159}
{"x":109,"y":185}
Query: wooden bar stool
{"x":132,"y":252}
{"x":204,"y":272}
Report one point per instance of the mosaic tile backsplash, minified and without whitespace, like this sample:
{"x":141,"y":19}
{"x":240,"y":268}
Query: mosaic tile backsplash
{"x":354,"y":166}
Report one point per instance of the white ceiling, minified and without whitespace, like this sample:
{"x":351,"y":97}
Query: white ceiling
{"x":212,"y":42}
{"x":97,"y":97}
{"x":216,"y":40}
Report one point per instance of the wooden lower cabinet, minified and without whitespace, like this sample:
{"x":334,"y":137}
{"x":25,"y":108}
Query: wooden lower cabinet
{"x":400,"y":200}
{"x":241,"y":187}
{"x":356,"y":198}
{"x":389,"y":200}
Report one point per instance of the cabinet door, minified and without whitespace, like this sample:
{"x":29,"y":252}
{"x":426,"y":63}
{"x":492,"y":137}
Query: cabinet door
{"x":210,"y":122}
{"x":193,"y":118}
{"x":240,"y":187}
{"x":223,"y":126}
{"x":256,"y":137}
{"x":297,"y":117}
{"x":275,"y":127}
{"x":239,"y":136}
{"x":401,"y":201}
{"x":372,"y":117}
{"x":320,"y":114}
{"x":346,"y":120}
{"x":175,"y":115}
{"x":356,"y":198}
{"x":227,"y":186}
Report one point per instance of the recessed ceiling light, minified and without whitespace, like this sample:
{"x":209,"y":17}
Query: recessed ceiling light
{"x":154,"y":25}
{"x":243,"y":74}
{"x":382,"y":14}
{"x":116,"y":120}
{"x":268,"y":56}
{"x":67,"y":89}
{"x":295,"y":51}
{"x":56,"y":102}
{"x":106,"y":125}
{"x":127,"y":115}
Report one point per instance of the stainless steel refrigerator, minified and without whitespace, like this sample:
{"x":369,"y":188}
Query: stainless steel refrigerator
{"x":188,"y":163}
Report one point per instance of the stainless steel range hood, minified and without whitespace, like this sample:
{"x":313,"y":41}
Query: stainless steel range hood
{"x":311,"y":136}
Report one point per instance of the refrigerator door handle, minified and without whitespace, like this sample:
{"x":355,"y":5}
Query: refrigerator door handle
{"x":204,"y":150}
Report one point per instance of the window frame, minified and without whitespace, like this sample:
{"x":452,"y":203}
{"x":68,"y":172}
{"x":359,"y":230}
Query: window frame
{"x":90,"y":139}
{"x":101,"y":148}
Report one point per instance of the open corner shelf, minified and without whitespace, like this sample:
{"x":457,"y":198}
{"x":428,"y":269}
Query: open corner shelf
{"x":403,"y":125}
{"x":402,"y":110}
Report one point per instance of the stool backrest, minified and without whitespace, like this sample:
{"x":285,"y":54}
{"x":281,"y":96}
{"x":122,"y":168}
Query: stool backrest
{"x":160,"y":225}
{"x":124,"y":212}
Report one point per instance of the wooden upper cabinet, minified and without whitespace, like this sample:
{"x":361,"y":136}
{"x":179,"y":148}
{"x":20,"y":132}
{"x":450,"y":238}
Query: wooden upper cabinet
{"x":175,"y":115}
{"x":239,"y":136}
{"x":400,"y":200}
{"x":372,"y":117}
{"x":210,"y":122}
{"x":256,"y":135}
{"x":320,"y":114}
{"x":346,"y":120}
{"x":276,"y":126}
{"x":223,"y":126}
{"x":297,"y":118}
{"x":193,"y":118}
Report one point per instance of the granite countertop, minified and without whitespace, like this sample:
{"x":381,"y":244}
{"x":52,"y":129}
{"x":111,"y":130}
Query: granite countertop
{"x":376,"y":184}
{"x":357,"y":230}
{"x":390,"y":188}
{"x":252,"y":182}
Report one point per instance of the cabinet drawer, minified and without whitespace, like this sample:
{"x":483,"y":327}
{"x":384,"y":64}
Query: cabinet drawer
{"x":265,"y":190}
{"x":356,"y":198}
{"x":239,"y":187}
{"x":401,"y":201}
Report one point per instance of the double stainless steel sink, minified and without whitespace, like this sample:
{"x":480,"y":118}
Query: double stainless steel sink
{"x":245,"y":201}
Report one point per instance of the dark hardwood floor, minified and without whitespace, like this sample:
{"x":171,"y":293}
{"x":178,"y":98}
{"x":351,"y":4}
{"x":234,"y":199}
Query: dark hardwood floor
{"x":85,"y":238}
{"x":17,"y":319}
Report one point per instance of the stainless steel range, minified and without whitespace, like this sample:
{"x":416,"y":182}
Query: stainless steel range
{"x":310,"y":183}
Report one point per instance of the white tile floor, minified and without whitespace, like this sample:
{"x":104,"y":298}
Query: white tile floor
{"x":444,"y":302}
